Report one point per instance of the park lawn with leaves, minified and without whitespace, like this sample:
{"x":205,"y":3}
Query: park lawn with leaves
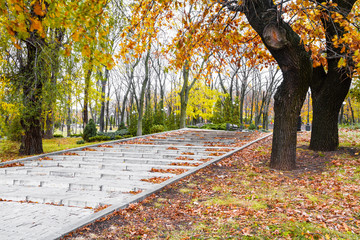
{"x":242,"y":198}
{"x":9,"y":150}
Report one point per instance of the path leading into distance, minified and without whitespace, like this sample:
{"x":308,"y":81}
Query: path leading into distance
{"x":51,"y":195}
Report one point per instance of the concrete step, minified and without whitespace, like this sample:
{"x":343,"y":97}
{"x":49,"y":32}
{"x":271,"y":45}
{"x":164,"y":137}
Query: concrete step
{"x":169,"y":155}
{"x":45,"y":195}
{"x":100,"y":165}
{"x":83,"y":172}
{"x":115,"y":160}
{"x":161,"y":151}
{"x":145,"y":148}
{"x":75,"y":184}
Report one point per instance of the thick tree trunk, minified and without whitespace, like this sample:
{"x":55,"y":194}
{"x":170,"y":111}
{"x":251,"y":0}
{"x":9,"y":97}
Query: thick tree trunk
{"x":327,"y":97}
{"x":31,"y":79}
{"x":296,"y":66}
{"x":288,"y":102}
{"x":31,"y":142}
{"x":330,"y":88}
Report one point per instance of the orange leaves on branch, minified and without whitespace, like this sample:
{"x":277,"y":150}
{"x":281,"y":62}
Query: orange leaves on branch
{"x":36,"y":25}
{"x":39,"y":8}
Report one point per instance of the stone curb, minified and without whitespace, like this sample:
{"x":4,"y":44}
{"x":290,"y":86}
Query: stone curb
{"x":141,"y":196}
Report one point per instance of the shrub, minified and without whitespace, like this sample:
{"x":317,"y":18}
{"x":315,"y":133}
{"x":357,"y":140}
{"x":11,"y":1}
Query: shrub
{"x":157,"y":128}
{"x":127,"y":136}
{"x":121,"y":126}
{"x":99,"y":138}
{"x":76,"y":135}
{"x":252,"y":126}
{"x":80,"y":142}
{"x":112,"y":135}
{"x":118,"y":137}
{"x":58,"y":136}
{"x":89,"y":130}
{"x":122,"y":132}
{"x":15,"y":130}
{"x":213,"y":126}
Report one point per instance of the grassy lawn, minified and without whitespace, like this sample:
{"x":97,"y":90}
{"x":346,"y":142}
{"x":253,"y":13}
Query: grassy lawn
{"x":9,"y":149}
{"x":241,"y":198}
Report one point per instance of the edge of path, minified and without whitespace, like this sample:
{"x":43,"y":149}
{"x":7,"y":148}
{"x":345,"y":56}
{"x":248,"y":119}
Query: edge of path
{"x":141,"y":196}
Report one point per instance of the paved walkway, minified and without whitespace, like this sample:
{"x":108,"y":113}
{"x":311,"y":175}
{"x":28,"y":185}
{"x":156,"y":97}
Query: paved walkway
{"x":57,"y":192}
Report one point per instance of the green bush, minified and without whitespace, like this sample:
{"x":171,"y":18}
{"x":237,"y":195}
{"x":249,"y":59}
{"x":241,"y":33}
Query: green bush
{"x":157,"y":128}
{"x":122,"y":126}
{"x":15,"y":130}
{"x":58,"y":136}
{"x":118,"y":137}
{"x":89,"y":130}
{"x":99,"y":138}
{"x":252,"y":126}
{"x":76,"y":135}
{"x":112,"y":135}
{"x":219,"y":126}
{"x":80,"y":142}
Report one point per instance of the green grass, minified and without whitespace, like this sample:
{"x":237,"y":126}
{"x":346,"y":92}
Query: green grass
{"x":9,"y":150}
{"x":349,"y":139}
{"x":230,"y":200}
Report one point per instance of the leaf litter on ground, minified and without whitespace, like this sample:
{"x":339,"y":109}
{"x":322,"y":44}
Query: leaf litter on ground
{"x":240,"y":197}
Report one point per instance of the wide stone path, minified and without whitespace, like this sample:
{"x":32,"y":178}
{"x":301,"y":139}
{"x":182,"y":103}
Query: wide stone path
{"x":45,"y":195}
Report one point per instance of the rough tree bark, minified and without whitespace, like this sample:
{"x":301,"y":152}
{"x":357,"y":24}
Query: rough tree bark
{"x":329,"y":88}
{"x":32,"y":84}
{"x":31,"y":77}
{"x":184,"y":94}
{"x":295,"y":63}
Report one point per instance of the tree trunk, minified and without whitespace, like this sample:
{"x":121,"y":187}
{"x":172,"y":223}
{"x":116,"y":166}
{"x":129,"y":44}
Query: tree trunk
{"x":351,"y":111}
{"x":108,"y":120}
{"x":242,"y":98}
{"x":32,"y":84}
{"x":86,"y":96}
{"x":123,"y":107}
{"x":102,"y":110}
{"x":68,"y":120}
{"x":142,"y":95}
{"x":327,"y":101}
{"x":329,"y":89}
{"x":286,"y":47}
{"x":184,"y":95}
